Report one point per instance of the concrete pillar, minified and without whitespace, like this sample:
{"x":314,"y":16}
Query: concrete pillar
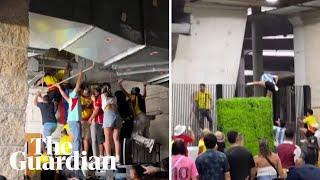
{"x":241,"y":78}
{"x":306,"y":42}
{"x":14,"y":39}
{"x":299,"y":52}
{"x":257,"y":56}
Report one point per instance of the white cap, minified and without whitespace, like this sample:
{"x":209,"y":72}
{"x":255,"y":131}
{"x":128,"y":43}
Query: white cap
{"x":179,"y":129}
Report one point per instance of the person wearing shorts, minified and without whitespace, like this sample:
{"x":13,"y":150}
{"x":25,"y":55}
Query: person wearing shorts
{"x":267,"y":81}
{"x":111,"y":122}
{"x":49,"y":120}
{"x":74,"y":114}
{"x":87,"y":109}
{"x":96,"y":120}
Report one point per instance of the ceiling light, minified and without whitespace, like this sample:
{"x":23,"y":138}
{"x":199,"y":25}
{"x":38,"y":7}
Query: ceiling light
{"x":272,"y":1}
{"x":276,"y":53}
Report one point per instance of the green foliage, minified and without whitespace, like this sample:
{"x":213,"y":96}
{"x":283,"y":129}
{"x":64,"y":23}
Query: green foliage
{"x":252,"y":117}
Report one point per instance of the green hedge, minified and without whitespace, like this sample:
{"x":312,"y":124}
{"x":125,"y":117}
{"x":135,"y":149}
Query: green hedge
{"x":252,"y":117}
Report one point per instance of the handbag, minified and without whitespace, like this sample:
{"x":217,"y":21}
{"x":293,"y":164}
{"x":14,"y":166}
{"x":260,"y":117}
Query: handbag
{"x":274,"y":167}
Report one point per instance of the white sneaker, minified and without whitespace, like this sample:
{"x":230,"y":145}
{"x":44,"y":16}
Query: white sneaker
{"x":150,"y":145}
{"x":117,"y":159}
{"x":303,"y":140}
{"x":276,"y":88}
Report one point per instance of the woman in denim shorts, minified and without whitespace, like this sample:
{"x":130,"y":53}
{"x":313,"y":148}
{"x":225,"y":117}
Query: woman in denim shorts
{"x":111,"y":122}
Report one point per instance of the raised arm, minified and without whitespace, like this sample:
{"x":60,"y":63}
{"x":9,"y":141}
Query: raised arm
{"x":193,"y":137}
{"x":63,"y":94}
{"x":144,"y":90}
{"x":35,"y":101}
{"x":122,"y":89}
{"x":78,"y":83}
{"x":39,"y":82}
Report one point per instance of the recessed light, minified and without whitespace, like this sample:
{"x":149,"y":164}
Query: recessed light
{"x":272,"y":1}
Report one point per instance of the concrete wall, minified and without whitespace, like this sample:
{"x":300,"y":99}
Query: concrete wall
{"x":211,"y":54}
{"x":307,"y":54}
{"x":14,"y":38}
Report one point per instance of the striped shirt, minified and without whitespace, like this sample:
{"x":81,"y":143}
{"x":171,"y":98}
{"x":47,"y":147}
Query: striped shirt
{"x":267,"y":77}
{"x":278,"y":134}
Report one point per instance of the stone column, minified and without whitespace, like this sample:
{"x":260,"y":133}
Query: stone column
{"x":257,"y":56}
{"x":14,"y":39}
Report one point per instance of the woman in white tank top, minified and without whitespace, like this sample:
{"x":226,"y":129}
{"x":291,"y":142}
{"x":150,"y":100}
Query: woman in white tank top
{"x":268,"y":164}
{"x":111,"y":122}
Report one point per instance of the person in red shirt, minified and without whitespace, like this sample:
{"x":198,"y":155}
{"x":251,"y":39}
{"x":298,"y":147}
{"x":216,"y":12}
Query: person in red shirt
{"x":96,"y":120}
{"x":181,"y":133}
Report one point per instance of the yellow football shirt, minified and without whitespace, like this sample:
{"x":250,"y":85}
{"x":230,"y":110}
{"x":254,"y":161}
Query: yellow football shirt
{"x":203,"y":100}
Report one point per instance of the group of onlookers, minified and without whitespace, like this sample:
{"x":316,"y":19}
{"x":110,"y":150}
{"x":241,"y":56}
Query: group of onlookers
{"x":285,"y":160}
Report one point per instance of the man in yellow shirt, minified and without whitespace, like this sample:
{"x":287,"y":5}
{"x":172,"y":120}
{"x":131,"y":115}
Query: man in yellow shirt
{"x":202,"y":106}
{"x":310,"y":124}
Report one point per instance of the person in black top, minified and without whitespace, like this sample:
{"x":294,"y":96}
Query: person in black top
{"x":240,"y":159}
{"x":46,"y":107}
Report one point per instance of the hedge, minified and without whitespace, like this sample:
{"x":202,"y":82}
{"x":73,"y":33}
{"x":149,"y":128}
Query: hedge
{"x":252,"y":117}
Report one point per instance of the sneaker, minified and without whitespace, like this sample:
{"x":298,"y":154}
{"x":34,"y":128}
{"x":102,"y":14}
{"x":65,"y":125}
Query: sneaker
{"x":150,"y":145}
{"x":117,"y":159}
{"x":303,"y":140}
{"x":276,"y":88}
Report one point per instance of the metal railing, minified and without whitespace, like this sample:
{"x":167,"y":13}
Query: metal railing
{"x":290,"y":104}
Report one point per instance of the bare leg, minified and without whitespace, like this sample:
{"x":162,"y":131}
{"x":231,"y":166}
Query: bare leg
{"x":116,"y":140}
{"x":101,"y":150}
{"x":86,"y":144}
{"x":257,"y":83}
{"x":107,"y":141}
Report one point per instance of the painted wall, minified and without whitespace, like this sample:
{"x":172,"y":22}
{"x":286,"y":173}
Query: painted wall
{"x":307,"y":54}
{"x":211,"y":54}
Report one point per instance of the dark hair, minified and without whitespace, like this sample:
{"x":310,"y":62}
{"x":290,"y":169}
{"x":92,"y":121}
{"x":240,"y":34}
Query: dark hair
{"x":221,"y":146}
{"x":202,"y":84}
{"x":97,"y":89}
{"x":264,"y":148}
{"x":46,"y":98}
{"x":179,"y":147}
{"x":139,"y":170}
{"x":232,"y":136}
{"x":210,"y":141}
{"x":2,"y":177}
{"x":107,"y":90}
{"x":310,"y":111}
{"x":289,"y":133}
{"x":137,"y":89}
{"x":282,"y":123}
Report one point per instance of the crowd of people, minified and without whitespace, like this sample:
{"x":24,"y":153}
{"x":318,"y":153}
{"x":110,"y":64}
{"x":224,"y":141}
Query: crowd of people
{"x":95,"y":119}
{"x":219,"y":159}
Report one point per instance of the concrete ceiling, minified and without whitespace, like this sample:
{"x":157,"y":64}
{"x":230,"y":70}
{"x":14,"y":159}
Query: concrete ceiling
{"x":272,"y":25}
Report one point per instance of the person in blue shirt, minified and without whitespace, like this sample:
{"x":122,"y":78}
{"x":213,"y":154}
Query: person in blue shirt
{"x":74,"y":114}
{"x":212,"y":164}
{"x":268,"y":81}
